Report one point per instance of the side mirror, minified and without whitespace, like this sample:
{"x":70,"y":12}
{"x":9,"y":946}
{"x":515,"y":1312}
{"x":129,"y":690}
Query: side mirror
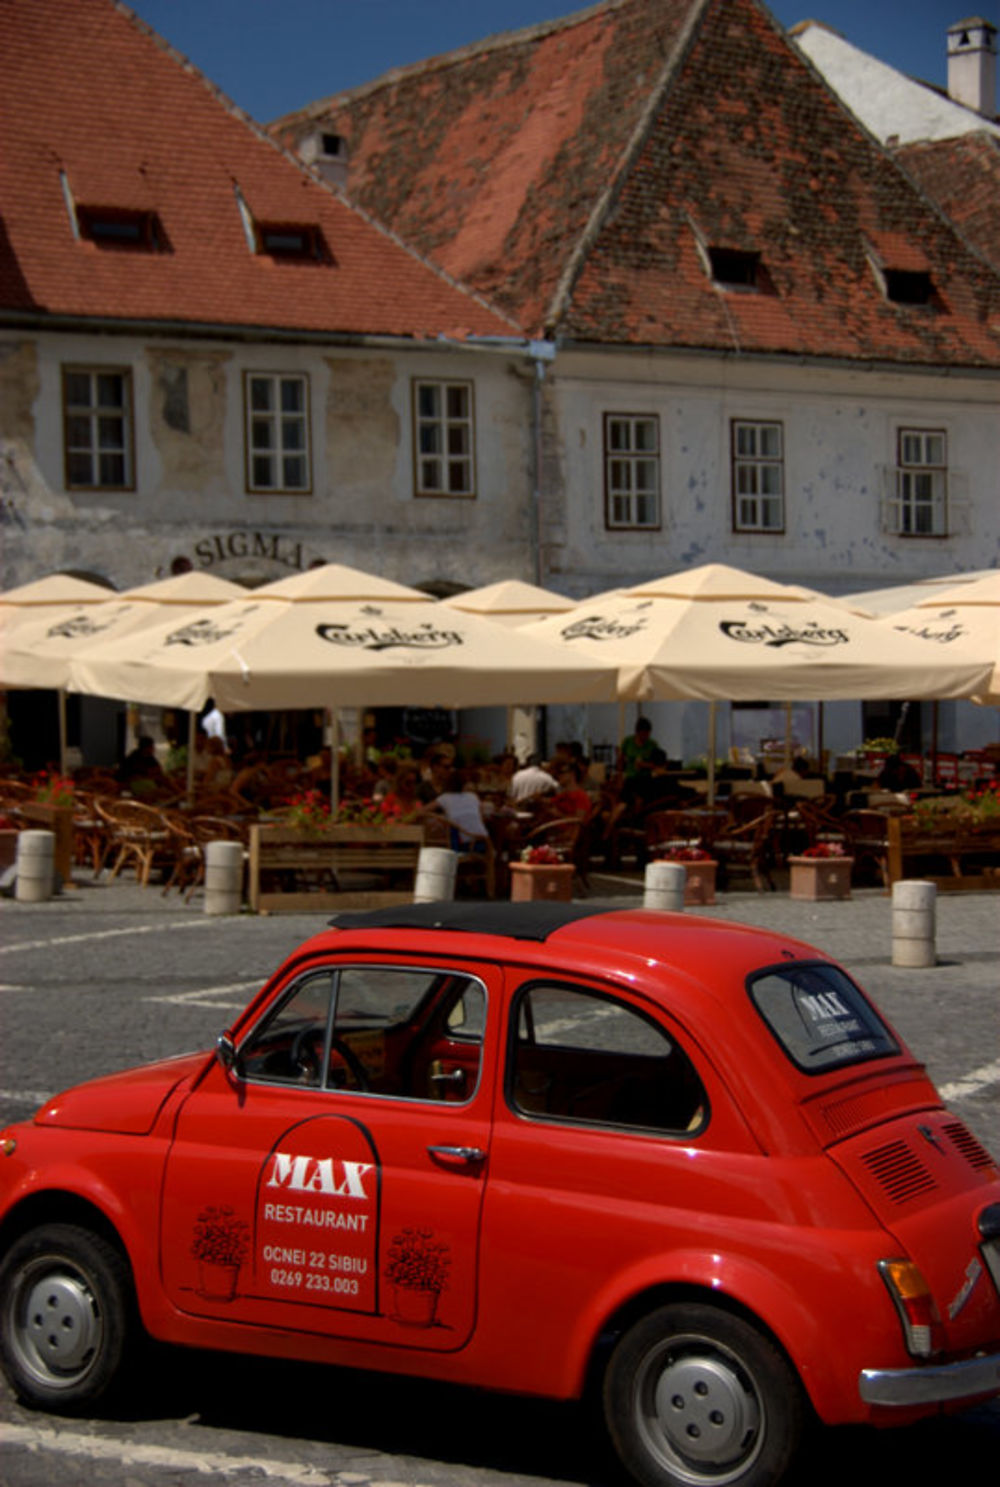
{"x":225,"y":1051}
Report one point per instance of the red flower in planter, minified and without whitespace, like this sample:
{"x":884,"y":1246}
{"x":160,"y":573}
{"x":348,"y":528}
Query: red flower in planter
{"x":824,"y":849}
{"x":543,"y":856}
{"x":690,"y":853}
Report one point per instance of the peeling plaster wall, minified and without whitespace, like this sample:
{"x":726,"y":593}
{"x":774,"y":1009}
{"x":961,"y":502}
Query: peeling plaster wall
{"x":840,"y":438}
{"x":190,"y":504}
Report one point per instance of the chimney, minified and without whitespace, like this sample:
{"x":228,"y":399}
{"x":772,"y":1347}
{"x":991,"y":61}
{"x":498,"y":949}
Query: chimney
{"x":972,"y":65}
{"x":326,"y":152}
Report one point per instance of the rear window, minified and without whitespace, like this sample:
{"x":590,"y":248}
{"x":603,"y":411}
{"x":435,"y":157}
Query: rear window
{"x":819,"y":1017}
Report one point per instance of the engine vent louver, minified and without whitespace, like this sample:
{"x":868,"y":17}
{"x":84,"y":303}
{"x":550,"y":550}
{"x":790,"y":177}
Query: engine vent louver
{"x":963,"y":1140}
{"x":899,"y":1172}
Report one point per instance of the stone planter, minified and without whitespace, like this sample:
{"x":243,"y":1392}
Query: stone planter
{"x":545,"y":880}
{"x":59,"y":820}
{"x":814,"y":878}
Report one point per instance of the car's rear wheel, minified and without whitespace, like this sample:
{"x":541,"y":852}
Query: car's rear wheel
{"x":66,"y":1316}
{"x":696,"y":1396}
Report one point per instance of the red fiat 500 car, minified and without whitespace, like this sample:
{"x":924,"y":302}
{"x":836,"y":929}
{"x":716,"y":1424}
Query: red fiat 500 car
{"x":527,"y":1147}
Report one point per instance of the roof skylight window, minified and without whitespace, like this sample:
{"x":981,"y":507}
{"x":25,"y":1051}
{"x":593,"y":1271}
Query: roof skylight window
{"x":735,"y":268}
{"x":120,"y":227}
{"x":908,"y":286}
{"x":289,"y":240}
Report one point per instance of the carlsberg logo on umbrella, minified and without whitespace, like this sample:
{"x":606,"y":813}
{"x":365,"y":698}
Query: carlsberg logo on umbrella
{"x":375,"y":637}
{"x":596,"y":627}
{"x":776,"y":635}
{"x":207,"y":632}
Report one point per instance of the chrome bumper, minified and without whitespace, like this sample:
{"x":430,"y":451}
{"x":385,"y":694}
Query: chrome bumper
{"x":933,"y":1384}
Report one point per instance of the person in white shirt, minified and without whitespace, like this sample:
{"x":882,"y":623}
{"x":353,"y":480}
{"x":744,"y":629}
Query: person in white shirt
{"x":531,"y":781}
{"x":214,"y":723}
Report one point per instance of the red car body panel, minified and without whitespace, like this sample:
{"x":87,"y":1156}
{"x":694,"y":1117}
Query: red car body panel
{"x":287,"y":1220}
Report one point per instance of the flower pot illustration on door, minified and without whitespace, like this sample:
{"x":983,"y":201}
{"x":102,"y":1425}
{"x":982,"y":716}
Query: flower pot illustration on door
{"x":220,"y":1246}
{"x":417,"y":1270}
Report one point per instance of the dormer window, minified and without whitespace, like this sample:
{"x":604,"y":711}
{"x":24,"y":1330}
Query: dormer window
{"x":119,"y":227}
{"x":902,"y":270}
{"x":289,"y":240}
{"x":908,"y":286}
{"x":735,"y":268}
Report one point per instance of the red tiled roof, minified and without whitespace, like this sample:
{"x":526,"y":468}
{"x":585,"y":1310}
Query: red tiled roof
{"x":91,"y":95}
{"x":569,"y":171}
{"x":963,"y":176}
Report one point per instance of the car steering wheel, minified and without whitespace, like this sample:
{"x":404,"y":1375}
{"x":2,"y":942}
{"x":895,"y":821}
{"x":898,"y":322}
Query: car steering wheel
{"x":304,"y":1057}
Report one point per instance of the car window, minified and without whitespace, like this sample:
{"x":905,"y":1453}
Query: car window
{"x":819,"y":1016}
{"x":289,"y":1043}
{"x":412,"y":1032}
{"x":577,"y":1055}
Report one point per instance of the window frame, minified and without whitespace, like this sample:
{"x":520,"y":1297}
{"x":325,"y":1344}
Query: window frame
{"x":905,"y":506}
{"x":445,"y":421}
{"x":277,"y":453}
{"x":92,"y":412}
{"x":756,"y":462}
{"x":631,"y":457}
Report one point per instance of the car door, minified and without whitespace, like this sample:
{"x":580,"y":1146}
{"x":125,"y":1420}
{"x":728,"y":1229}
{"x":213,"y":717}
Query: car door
{"x":332,"y":1179}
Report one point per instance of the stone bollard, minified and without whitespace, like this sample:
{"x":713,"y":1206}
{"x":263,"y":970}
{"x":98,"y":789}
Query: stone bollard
{"x":36,"y":852}
{"x":664,"y":886}
{"x":436,"y":869}
{"x":223,"y":877}
{"x":913,"y":924}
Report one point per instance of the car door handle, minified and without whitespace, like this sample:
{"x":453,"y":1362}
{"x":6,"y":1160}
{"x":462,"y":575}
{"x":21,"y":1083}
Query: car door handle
{"x":468,"y":1156}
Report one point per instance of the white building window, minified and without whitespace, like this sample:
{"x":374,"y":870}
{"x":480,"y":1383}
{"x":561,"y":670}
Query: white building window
{"x":97,"y":428}
{"x":277,"y":432}
{"x":920,"y":504}
{"x":631,"y":470}
{"x":444,"y":439}
{"x":758,"y":476}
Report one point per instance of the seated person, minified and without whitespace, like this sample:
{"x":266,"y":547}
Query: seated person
{"x":141,"y":772}
{"x":571,"y":799}
{"x":531,"y":782}
{"x":462,"y":811}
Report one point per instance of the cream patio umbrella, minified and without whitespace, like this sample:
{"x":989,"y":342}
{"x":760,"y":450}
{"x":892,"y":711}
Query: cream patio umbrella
{"x":906,"y":595}
{"x":963,"y":620}
{"x":290,"y":646}
{"x":39,"y":651}
{"x":45,"y":598}
{"x":715,"y":633}
{"x":510,"y":602}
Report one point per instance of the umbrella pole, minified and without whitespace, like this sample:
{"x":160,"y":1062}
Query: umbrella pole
{"x":334,"y":762}
{"x":788,"y":735}
{"x":711,"y":753}
{"x":61,"y":695}
{"x":192,"y":735}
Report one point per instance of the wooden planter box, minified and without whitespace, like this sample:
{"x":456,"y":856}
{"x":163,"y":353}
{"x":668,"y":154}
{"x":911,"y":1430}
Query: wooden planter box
{"x":59,"y":820}
{"x":546,"y":880}
{"x":971,"y":851}
{"x":292,"y":870}
{"x":814,"y":878}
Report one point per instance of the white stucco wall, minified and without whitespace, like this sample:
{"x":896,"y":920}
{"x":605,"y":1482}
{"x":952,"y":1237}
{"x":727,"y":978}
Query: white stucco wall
{"x":840,"y":427}
{"x":190,"y":499}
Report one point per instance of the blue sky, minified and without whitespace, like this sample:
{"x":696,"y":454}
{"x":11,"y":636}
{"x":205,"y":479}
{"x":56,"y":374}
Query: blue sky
{"x":272,"y":56}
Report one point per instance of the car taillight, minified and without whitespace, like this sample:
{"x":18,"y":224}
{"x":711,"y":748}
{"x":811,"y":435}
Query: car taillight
{"x":914,"y":1303}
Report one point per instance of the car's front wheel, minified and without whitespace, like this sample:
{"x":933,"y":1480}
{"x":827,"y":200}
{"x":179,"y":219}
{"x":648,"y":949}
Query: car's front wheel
{"x":66,"y":1313}
{"x":697,"y":1397}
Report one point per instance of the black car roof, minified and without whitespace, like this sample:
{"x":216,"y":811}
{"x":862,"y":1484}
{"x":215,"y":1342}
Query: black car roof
{"x":527,"y":921}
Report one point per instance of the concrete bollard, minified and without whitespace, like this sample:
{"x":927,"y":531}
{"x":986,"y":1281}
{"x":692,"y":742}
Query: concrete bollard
{"x":223,"y":877}
{"x":36,"y":853}
{"x":436,"y":869}
{"x":913,"y":924}
{"x":664,"y":886}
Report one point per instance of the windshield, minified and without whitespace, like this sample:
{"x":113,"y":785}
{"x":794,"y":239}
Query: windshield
{"x":819,"y":1016}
